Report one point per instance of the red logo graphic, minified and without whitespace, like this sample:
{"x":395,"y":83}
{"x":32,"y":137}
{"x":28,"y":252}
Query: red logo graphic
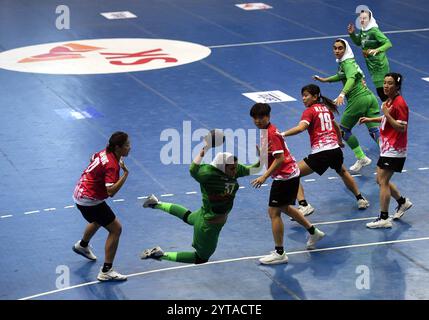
{"x":74,"y":50}
{"x":67,"y":51}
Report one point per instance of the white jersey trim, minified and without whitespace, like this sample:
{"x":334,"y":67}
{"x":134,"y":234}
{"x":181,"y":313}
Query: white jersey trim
{"x":87,"y":202}
{"x":325,"y":148}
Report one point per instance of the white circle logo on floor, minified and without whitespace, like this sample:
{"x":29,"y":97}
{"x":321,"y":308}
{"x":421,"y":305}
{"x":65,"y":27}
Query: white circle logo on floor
{"x":102,"y":56}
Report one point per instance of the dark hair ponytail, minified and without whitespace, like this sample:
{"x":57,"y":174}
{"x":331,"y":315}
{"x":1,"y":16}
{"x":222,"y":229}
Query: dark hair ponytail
{"x":314,"y":90}
{"x":118,"y":138}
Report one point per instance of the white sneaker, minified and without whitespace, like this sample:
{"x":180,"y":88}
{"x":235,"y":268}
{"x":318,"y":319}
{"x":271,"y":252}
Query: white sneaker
{"x":305,"y":210}
{"x":400,"y":210}
{"x":86,"y":252}
{"x":379,"y":223}
{"x":360,"y":163}
{"x":151,"y":202}
{"x":274,"y":258}
{"x":154,"y":253}
{"x":362,"y":204}
{"x":318,"y":235}
{"x":111,"y":275}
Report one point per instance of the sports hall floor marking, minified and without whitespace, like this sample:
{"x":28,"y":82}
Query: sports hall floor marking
{"x":229,"y":260}
{"x":195,"y":193}
{"x":304,"y":39}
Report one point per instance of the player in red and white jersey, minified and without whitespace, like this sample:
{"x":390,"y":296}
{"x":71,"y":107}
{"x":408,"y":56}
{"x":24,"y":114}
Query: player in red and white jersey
{"x":283,"y":169}
{"x":325,"y":138}
{"x":99,"y":181}
{"x":393,"y":149}
{"x":102,"y":172}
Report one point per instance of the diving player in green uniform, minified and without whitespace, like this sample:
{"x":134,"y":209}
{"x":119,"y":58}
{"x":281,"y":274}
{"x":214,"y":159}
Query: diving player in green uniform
{"x":374,"y":46}
{"x":218,"y":182}
{"x":360,"y":100}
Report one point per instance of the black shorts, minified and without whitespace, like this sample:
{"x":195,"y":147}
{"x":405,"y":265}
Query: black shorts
{"x":389,"y":163}
{"x":101,"y":213}
{"x":321,"y":161}
{"x":283,"y":192}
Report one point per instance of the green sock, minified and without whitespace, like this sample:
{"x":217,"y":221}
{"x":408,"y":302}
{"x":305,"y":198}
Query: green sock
{"x":359,"y":152}
{"x":353,"y":143}
{"x":171,"y":208}
{"x":186,"y":257}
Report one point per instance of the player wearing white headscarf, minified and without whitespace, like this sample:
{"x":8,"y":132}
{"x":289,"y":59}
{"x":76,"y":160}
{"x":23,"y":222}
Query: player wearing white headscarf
{"x":374,"y":45}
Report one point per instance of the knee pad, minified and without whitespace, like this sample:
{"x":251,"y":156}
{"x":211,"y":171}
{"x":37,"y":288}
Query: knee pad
{"x":374,"y":132}
{"x":199,"y":260}
{"x":345,"y":132}
{"x":185,"y":217}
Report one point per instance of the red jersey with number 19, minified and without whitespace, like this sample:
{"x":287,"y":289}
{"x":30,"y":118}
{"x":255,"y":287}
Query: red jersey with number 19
{"x":320,"y":128}
{"x":276,"y":144}
{"x":103,"y":171}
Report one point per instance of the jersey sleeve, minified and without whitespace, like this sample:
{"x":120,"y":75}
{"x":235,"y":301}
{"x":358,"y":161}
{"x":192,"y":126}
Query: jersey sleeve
{"x":275,"y":144}
{"x":198,"y":172}
{"x":307,"y":115}
{"x":356,"y":39}
{"x":112,"y":174}
{"x":400,"y":112}
{"x":350,"y":72}
{"x":385,"y":43}
{"x":243,"y":170}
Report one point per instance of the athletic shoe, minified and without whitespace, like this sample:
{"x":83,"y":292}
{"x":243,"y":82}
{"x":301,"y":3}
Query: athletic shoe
{"x":400,"y":210}
{"x":111,"y":275}
{"x":360,"y":163}
{"x":362,"y":204}
{"x":274,"y":258}
{"x":154,"y":253}
{"x":151,"y":202}
{"x":86,"y":252}
{"x":318,"y":235}
{"x":306,"y":210}
{"x":379,"y":223}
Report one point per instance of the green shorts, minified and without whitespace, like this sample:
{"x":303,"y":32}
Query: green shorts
{"x":361,"y":106}
{"x":206,"y":234}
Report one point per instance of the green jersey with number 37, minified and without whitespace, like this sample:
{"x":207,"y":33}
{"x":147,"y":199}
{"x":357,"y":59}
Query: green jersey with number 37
{"x":218,"y":189}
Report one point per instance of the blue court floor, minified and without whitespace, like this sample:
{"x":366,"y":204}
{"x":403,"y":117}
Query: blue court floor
{"x":60,"y":103}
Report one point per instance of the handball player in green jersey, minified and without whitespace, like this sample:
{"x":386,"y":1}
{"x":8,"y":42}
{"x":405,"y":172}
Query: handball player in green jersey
{"x":374,"y":45}
{"x":218,"y":183}
{"x":361,"y":102}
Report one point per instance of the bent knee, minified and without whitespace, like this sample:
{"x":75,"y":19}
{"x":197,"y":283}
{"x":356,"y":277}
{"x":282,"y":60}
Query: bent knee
{"x":200,"y":260}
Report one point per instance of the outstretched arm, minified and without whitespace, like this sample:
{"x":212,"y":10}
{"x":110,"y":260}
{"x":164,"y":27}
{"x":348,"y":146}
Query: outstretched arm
{"x":279,"y":158}
{"x":302,"y":126}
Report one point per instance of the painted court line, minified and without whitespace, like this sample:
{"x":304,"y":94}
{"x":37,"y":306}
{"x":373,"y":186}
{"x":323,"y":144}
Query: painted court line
{"x":343,"y":221}
{"x":195,"y":192}
{"x":30,"y":212}
{"x":229,"y":260}
{"x":305,"y":39}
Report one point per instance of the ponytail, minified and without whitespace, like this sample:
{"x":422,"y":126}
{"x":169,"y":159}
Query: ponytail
{"x":330,"y":104}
